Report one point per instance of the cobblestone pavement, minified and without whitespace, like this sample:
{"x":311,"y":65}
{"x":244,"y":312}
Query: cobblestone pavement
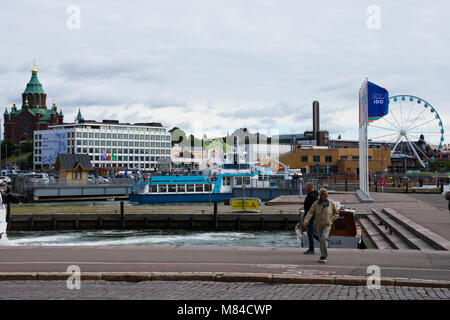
{"x":182,"y":290}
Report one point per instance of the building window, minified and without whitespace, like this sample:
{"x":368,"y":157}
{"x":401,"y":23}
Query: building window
{"x":355,"y":157}
{"x":327,"y":158}
{"x":316,"y":158}
{"x":304,"y":158}
{"x":344,"y":157}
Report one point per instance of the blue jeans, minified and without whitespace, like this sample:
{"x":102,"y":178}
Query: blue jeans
{"x":311,"y":234}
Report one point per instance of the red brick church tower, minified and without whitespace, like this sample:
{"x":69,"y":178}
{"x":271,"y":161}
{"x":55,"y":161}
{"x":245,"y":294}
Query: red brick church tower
{"x":33,"y":115}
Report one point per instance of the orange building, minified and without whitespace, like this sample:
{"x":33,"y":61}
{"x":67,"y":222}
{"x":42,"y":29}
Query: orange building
{"x":336,"y":161}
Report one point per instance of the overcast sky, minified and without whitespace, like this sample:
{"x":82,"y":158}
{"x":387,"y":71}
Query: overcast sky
{"x":218,"y":65}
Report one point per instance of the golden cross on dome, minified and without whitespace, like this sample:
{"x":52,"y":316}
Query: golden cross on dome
{"x":34,"y":66}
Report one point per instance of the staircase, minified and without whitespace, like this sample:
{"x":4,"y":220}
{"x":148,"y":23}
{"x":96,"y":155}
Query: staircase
{"x":390,"y":230}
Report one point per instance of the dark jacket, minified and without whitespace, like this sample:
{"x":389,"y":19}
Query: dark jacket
{"x":310,"y":199}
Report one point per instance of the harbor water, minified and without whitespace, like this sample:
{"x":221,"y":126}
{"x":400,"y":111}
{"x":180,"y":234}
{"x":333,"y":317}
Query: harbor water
{"x":152,"y":237}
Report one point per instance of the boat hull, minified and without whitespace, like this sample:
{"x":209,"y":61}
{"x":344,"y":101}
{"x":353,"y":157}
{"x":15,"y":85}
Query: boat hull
{"x":334,"y":242}
{"x":165,"y":198}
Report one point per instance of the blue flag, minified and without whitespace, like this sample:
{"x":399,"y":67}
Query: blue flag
{"x":377,"y":102}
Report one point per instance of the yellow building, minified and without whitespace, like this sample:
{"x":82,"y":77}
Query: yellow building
{"x":73,"y":167}
{"x":336,"y":161}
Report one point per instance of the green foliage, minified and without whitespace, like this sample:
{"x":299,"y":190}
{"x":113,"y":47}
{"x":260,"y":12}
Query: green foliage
{"x":8,"y":149}
{"x":26,"y":146}
{"x":27,"y":163}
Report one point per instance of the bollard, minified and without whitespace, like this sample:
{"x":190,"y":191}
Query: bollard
{"x":122,"y":214}
{"x":8,"y":215}
{"x":215,"y":215}
{"x":346,"y":184}
{"x":406,"y":186}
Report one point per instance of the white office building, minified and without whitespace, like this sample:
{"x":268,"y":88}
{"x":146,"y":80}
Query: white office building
{"x":109,"y":144}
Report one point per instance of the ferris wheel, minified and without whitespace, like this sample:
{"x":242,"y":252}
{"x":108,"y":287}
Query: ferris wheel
{"x":413,"y":128}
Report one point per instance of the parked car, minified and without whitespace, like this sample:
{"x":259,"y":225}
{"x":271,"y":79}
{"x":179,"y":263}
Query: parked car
{"x":5,"y":179}
{"x":101,"y":179}
{"x":97,"y":180}
{"x":37,"y":177}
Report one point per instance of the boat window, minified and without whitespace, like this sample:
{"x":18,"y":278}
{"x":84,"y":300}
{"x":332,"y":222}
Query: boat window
{"x":198,"y":188}
{"x":163,"y":188}
{"x":153,"y":188}
{"x":172,"y":188}
{"x":207,"y":187}
{"x":226,"y":181}
{"x":190,"y":188}
{"x":238,"y":181}
{"x":339,"y":224}
{"x":246,"y":180}
{"x":181,"y":188}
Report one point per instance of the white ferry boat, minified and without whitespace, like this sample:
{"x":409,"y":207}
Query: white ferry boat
{"x":215,"y":184}
{"x":3,"y":223}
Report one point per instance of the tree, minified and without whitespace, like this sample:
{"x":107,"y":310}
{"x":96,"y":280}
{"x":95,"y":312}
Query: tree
{"x":8,"y":148}
{"x":26,"y":146}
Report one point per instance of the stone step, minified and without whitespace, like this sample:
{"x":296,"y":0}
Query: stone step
{"x":387,"y":233}
{"x":410,"y":239}
{"x":434,"y":240}
{"x":371,"y":236}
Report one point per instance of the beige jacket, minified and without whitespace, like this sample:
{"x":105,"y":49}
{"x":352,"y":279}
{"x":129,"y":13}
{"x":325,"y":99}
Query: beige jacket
{"x":324,"y":216}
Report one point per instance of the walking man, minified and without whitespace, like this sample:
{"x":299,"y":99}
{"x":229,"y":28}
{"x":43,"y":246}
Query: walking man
{"x":312,"y":196}
{"x":325,"y":213}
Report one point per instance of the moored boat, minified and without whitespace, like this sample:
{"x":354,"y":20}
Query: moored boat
{"x":215,"y":184}
{"x":3,"y":223}
{"x":345,"y":232}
